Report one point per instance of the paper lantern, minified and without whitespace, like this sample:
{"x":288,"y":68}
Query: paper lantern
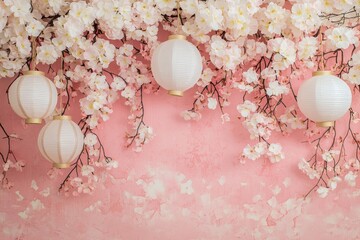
{"x":324,"y":98}
{"x":60,"y":141}
{"x":176,"y":65}
{"x":33,"y":96}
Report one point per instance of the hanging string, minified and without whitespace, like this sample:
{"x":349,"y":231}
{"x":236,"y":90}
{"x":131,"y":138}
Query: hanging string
{"x":178,"y":18}
{"x":33,"y":54}
{"x":61,"y":80}
{"x":322,"y":62}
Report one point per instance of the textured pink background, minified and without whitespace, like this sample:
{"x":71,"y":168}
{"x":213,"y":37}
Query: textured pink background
{"x":188,"y":183}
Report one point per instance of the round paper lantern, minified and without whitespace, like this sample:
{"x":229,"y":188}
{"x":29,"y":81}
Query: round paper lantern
{"x":324,"y":98}
{"x":60,"y":141}
{"x":176,"y":65}
{"x":33,"y":96}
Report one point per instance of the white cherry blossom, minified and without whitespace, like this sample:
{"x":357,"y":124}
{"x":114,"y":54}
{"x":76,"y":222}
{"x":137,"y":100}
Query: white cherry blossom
{"x":212,"y":103}
{"x":47,"y":54}
{"x":276,"y":89}
{"x":350,"y":178}
{"x":251,"y":76}
{"x":342,"y":37}
{"x":307,"y":47}
{"x":284,"y":52}
{"x":322,"y":191}
{"x":90,"y":139}
{"x":275,"y":153}
{"x":305,"y":16}
{"x":246,"y":108}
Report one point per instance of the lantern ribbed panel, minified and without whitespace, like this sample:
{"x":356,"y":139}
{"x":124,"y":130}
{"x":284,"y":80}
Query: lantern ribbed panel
{"x":60,"y":141}
{"x":324,"y":98}
{"x":33,"y":96}
{"x":176,"y":65}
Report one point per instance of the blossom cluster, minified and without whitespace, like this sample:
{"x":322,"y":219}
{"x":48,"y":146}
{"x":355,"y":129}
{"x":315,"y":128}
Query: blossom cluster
{"x":259,"y":49}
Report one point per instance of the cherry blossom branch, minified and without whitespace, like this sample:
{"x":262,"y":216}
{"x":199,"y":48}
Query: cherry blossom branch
{"x":8,"y":156}
{"x":341,"y":18}
{"x":112,"y":74}
{"x":76,"y":167}
{"x":67,"y":104}
{"x":139,"y":118}
{"x":210,"y":90}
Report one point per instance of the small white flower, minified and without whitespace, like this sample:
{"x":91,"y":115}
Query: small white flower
{"x":23,"y":45}
{"x":342,"y":37}
{"x":90,"y":139}
{"x":353,"y":76}
{"x":37,"y":205}
{"x":333,"y":182}
{"x":186,"y":188}
{"x":24,"y":214}
{"x":307,"y":47}
{"x":45,"y":192}
{"x":59,"y":82}
{"x":329,"y":156}
{"x":86,"y":170}
{"x":154,"y":189}
{"x":165,"y":5}
{"x":222,"y":180}
{"x":34,"y":185}
{"x":34,"y":28}
{"x":284,"y":53}
{"x":191,"y":115}
{"x":94,"y":207}
{"x":21,"y":9}
{"x":19,"y":196}
{"x":251,"y":76}
{"x":355,"y":59}
{"x":254,"y":152}
{"x":275,"y":153}
{"x":209,"y":18}
{"x":56,"y":4}
{"x":350,"y":178}
{"x":305,"y":16}
{"x":244,"y":87}
{"x":111,"y":164}
{"x":128,"y":92}
{"x":305,"y":167}
{"x":118,"y":84}
{"x":212,"y":103}
{"x":206,"y":77}
{"x":322,"y":191}
{"x":47,"y":54}
{"x":225,"y":118}
{"x":246,"y":108}
{"x":276,"y":89}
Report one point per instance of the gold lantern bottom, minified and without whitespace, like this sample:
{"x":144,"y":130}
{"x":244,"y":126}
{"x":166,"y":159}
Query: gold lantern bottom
{"x":61,"y":165}
{"x":176,"y":93}
{"x":33,"y":120}
{"x":325,"y":124}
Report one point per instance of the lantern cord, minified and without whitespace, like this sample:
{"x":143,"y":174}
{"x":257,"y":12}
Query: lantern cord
{"x":322,"y":66}
{"x":178,"y":18}
{"x":33,"y":53}
{"x":61,"y":78}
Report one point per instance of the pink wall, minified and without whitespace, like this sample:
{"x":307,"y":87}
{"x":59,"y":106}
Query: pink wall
{"x":188,"y":183}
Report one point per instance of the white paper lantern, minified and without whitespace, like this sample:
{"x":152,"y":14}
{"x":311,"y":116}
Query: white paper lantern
{"x":33,"y":96}
{"x":324,"y":98}
{"x":60,"y":141}
{"x":176,"y":65}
